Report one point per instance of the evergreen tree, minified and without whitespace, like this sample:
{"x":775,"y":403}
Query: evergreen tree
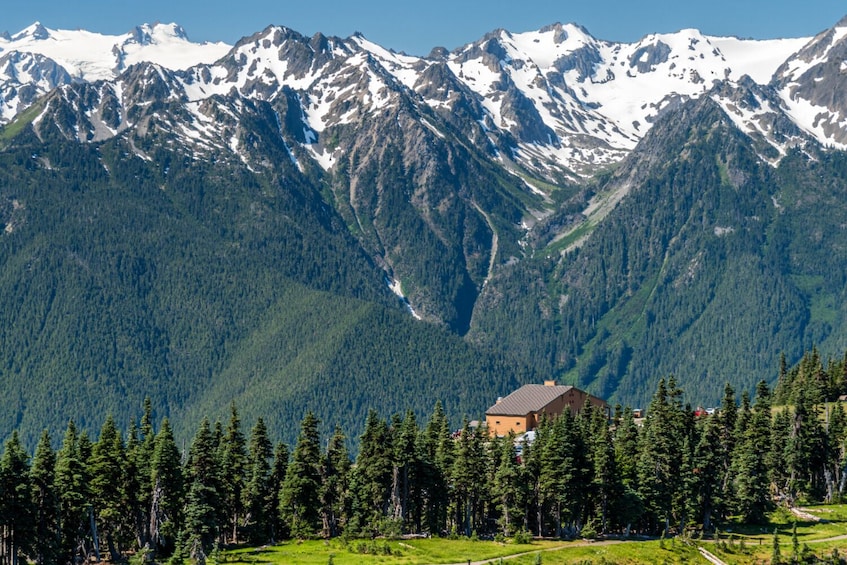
{"x":606,"y":482}
{"x":562,"y":478}
{"x":17,"y":519}
{"x":660,"y":457}
{"x":204,"y":512}
{"x":836,"y":433}
{"x":752,"y":481}
{"x":168,"y":491}
{"x":108,"y":481}
{"x":629,"y":507}
{"x":233,"y":471}
{"x":405,"y":493}
{"x":805,"y":449}
{"x":469,"y":480}
{"x":72,"y":489}
{"x":508,"y":486}
{"x":727,"y":419}
{"x":626,"y":449}
{"x":335,"y":495}
{"x":45,"y":503}
{"x":258,"y":494}
{"x":372,"y":476}
{"x":708,"y":461}
{"x":777,"y":469}
{"x":299,"y":500}
{"x":776,"y":554}
{"x":436,"y":460}
{"x":277,"y":479}
{"x":140,"y":454}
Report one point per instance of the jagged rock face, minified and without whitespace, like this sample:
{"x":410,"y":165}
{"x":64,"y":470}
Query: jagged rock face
{"x":24,"y":77}
{"x":414,"y":148}
{"x":812,"y":84}
{"x":558,"y":102}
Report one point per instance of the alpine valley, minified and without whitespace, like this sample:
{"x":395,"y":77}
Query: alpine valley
{"x":315,"y":223}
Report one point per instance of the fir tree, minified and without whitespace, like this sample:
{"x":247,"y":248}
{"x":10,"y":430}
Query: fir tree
{"x":204,"y":511}
{"x":277,"y":479}
{"x":607,"y":485}
{"x":45,"y":503}
{"x":108,"y":461}
{"x":258,"y":490}
{"x":233,"y":471}
{"x":299,"y":501}
{"x":168,"y":491}
{"x":752,"y":481}
{"x":335,"y":495}
{"x":436,"y":459}
{"x":72,"y":489}
{"x":508,"y":486}
{"x":708,"y":461}
{"x":17,"y":519}
{"x":405,"y":496}
{"x":372,"y":476}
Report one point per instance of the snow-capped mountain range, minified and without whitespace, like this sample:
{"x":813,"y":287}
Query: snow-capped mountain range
{"x":556,"y":101}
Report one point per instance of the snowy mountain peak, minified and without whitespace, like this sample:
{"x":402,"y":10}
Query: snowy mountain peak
{"x":147,"y":34}
{"x":557,"y":100}
{"x":36,"y":31}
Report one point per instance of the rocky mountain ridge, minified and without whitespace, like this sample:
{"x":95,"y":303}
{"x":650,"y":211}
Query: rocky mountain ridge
{"x":556,"y":102}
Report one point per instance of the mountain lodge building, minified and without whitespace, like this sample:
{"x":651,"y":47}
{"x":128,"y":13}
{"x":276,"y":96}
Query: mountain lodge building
{"x":521,"y":410}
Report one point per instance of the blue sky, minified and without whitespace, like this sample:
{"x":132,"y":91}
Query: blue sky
{"x":416,"y":27}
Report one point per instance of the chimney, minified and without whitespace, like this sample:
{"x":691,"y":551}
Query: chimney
{"x":499,"y":399}
{"x":549,"y":383}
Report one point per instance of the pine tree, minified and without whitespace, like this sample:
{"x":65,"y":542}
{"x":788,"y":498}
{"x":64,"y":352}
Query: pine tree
{"x":727,"y":418}
{"x":406,"y":462}
{"x":708,"y":461}
{"x":804,"y":452}
{"x":836,"y":432}
{"x":559,"y":484}
{"x":257,"y":491}
{"x":508,"y":486}
{"x":204,"y":513}
{"x":167,"y":491}
{"x":629,"y":507}
{"x":751,"y":480}
{"x":606,"y":482}
{"x":299,"y":501}
{"x":279,"y":470}
{"x":140,"y":454}
{"x":372,"y":476}
{"x":780,"y":432}
{"x":233,"y":471}
{"x":335,"y":496}
{"x":17,"y":519}
{"x":469,"y":480}
{"x":45,"y":502}
{"x":436,"y":459}
{"x":72,"y":489}
{"x":776,"y":554}
{"x":107,"y":488}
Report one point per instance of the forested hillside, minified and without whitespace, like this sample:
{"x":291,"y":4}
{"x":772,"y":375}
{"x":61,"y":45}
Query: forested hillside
{"x":196,"y":284}
{"x":712,"y":264}
{"x":240,"y":230}
{"x":676,"y":474}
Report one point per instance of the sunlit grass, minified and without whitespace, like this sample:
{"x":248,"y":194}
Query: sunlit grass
{"x":394,"y":552}
{"x":740,"y":544}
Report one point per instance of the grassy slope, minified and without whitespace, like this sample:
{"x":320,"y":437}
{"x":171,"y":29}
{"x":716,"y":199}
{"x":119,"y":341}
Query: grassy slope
{"x":755,"y":548}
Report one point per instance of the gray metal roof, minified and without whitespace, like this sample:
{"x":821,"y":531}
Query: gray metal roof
{"x":528,"y":398}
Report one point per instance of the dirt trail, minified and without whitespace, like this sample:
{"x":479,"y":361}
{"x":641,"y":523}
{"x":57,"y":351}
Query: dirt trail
{"x":556,"y":548}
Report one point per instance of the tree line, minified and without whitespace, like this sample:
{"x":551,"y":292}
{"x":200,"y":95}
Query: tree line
{"x":585,"y":474}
